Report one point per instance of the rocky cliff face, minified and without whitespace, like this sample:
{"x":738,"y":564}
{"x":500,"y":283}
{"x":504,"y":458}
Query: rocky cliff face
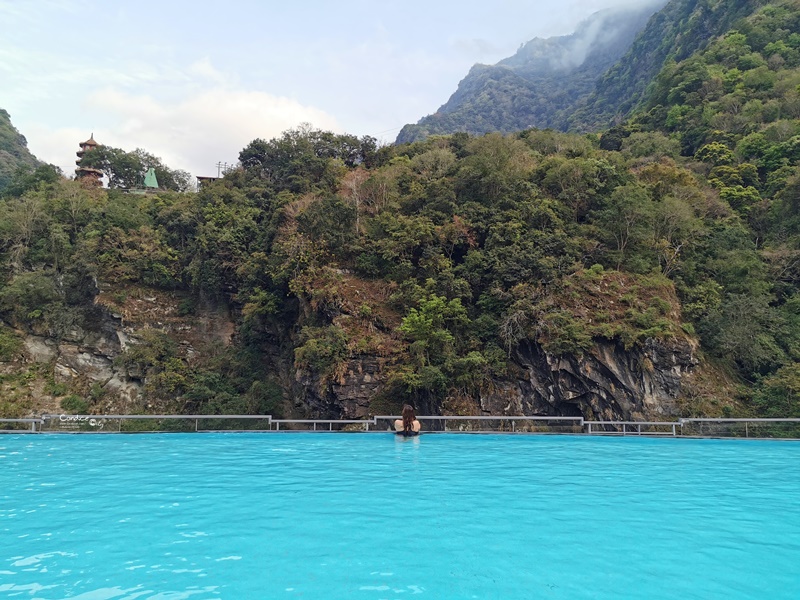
{"x":89,"y":354}
{"x":607,"y":382}
{"x":349,"y":396}
{"x":84,"y":358}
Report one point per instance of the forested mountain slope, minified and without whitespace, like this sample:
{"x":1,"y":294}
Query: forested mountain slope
{"x":534,"y":273}
{"x":673,"y":34}
{"x":650,"y":271}
{"x":541,"y":84}
{"x":538,"y":88}
{"x":14,"y":153}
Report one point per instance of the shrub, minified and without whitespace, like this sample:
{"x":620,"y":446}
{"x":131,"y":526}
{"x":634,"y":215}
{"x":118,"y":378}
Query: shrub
{"x":75,"y":405}
{"x":9,"y":345}
{"x":323,"y":350}
{"x":57,"y":389}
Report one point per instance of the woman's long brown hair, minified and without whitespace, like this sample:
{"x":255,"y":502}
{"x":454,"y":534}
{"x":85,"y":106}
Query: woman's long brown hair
{"x":408,"y":419}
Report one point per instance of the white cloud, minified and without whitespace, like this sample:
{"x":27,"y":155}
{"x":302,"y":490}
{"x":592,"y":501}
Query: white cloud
{"x":203,"y":68}
{"x":193,"y":133}
{"x":155,"y":86}
{"x":32,"y":12}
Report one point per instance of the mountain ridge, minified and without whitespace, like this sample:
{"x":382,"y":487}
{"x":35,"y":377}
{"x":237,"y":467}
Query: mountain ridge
{"x":540,"y":83}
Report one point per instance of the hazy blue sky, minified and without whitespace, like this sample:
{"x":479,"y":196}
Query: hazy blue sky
{"x":194,"y":82}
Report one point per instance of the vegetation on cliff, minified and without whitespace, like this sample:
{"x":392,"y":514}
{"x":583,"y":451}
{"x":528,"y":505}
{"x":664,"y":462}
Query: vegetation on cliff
{"x":442,"y":258}
{"x":537,"y":88}
{"x":675,"y":33}
{"x":14,"y":154}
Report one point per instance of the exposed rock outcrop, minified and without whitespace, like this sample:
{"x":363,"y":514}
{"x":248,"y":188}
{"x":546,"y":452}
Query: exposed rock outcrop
{"x":348,"y":397}
{"x":87,"y":352}
{"x":606,"y":383}
{"x":84,"y":356}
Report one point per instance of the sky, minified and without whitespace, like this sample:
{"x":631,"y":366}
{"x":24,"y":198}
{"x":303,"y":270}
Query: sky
{"x":194,"y":82}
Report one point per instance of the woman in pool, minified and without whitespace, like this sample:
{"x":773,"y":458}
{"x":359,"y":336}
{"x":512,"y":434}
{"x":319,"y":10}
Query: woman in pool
{"x":408,"y":425}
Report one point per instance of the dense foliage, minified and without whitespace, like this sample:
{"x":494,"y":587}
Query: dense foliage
{"x":442,"y":257}
{"x":676,"y":32}
{"x":608,"y":87}
{"x":14,"y":153}
{"x":127,"y":169}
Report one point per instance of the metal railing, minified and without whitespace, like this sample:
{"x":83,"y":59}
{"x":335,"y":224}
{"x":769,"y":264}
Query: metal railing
{"x":329,"y":422}
{"x":29,"y":425}
{"x":150,"y":423}
{"x":529,"y":424}
{"x":177,"y":423}
{"x":788,"y":428}
{"x":632,"y":427}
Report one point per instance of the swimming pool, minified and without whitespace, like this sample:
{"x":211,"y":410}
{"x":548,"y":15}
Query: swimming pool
{"x":326,"y":516}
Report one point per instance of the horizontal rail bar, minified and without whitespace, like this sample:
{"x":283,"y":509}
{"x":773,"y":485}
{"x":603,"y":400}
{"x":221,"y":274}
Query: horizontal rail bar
{"x":48,"y":422}
{"x":326,"y":421}
{"x":482,"y":418}
{"x":419,"y":417}
{"x":650,"y":423}
{"x":131,"y":417}
{"x":709,"y":420}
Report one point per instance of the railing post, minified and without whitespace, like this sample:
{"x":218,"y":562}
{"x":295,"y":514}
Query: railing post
{"x":513,"y":426}
{"x":746,"y":430}
{"x":589,"y":431}
{"x":196,"y":425}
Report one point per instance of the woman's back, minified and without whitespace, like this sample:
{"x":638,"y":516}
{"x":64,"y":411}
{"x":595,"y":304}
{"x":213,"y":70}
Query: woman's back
{"x":408,"y":425}
{"x":416,"y":426}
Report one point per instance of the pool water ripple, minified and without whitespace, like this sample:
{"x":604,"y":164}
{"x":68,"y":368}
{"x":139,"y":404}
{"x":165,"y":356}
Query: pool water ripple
{"x":325,"y":516}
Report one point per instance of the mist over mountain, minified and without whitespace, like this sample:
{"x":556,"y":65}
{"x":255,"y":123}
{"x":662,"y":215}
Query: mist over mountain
{"x":680,"y":29}
{"x":541,"y":84}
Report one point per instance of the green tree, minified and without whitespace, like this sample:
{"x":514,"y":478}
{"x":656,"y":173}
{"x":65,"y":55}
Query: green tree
{"x":127,"y":169}
{"x":432,"y":328}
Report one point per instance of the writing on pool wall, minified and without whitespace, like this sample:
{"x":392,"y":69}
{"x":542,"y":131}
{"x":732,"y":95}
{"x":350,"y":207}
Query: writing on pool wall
{"x":79,"y":422}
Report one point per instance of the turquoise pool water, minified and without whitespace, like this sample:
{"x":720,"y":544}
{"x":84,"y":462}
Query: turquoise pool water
{"x":327,"y":516}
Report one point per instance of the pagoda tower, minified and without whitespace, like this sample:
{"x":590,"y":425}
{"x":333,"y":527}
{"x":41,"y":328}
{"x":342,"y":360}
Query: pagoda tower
{"x":86,"y":174}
